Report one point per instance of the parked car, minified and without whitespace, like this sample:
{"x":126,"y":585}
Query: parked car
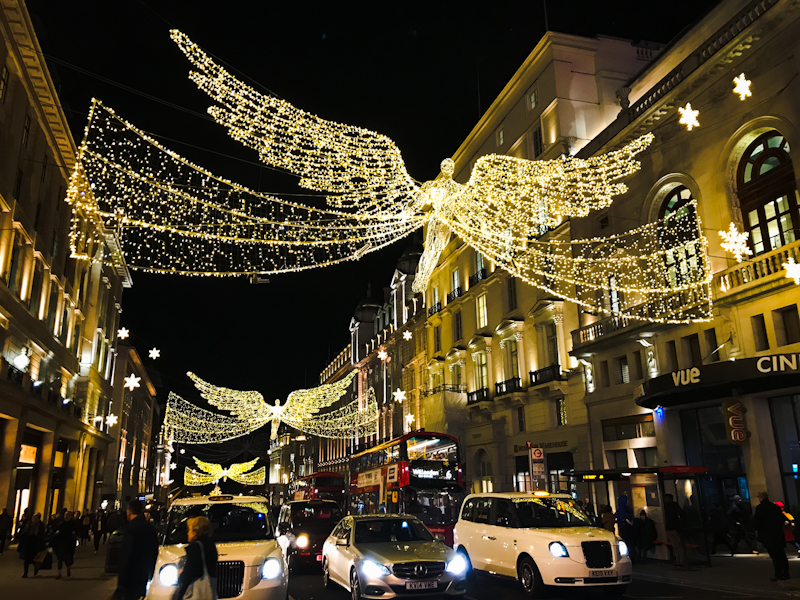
{"x":251,"y":564}
{"x":541,"y":539}
{"x":303,"y":527}
{"x":391,"y":556}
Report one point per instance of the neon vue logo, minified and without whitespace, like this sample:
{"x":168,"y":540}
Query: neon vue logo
{"x":686,"y":376}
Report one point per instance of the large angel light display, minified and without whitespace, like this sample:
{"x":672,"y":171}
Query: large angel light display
{"x":214,"y":473}
{"x":187,"y":423}
{"x":175,"y":217}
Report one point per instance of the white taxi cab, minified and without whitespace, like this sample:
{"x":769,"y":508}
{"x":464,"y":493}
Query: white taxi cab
{"x":541,"y":539}
{"x":251,"y":564}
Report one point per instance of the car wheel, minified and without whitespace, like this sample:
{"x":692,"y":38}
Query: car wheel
{"x":529,"y":577}
{"x":470,"y":571}
{"x":355,"y":585}
{"x":326,"y":576}
{"x":615,"y":591}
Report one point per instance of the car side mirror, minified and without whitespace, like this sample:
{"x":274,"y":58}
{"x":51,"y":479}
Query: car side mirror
{"x":342,"y":542}
{"x":438,"y":537}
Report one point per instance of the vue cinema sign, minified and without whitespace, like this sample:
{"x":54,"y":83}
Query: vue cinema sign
{"x":733,"y":412}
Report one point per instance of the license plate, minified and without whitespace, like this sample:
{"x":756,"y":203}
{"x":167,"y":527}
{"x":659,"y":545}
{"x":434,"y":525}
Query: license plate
{"x":421,"y":585}
{"x":319,"y":557}
{"x":601,"y":573}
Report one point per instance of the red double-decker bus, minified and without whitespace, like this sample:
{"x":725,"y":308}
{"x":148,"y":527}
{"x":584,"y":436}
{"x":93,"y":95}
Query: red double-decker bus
{"x":325,"y":485}
{"x":419,"y":473}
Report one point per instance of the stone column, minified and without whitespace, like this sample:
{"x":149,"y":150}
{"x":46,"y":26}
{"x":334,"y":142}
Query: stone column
{"x":46,"y":461}
{"x":563,"y":359}
{"x":12,"y":440}
{"x":522,"y":359}
{"x":490,"y":370}
{"x":91,"y":477}
{"x":74,"y":490}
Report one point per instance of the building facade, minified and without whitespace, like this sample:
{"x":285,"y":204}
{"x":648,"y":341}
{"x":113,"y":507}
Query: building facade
{"x":58,"y":315}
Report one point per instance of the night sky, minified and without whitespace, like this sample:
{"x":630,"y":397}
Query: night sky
{"x":419,"y":72}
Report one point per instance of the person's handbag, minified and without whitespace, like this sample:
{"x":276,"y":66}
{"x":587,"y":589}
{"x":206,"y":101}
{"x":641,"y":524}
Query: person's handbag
{"x":203,"y":588}
{"x":47,"y":561}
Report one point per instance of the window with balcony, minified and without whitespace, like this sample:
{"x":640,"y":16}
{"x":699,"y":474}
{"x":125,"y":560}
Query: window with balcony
{"x":511,"y":293}
{"x":768,"y":193}
{"x":512,"y":358}
{"x":551,"y":336}
{"x":481,"y":371}
{"x":437,"y":338}
{"x":681,"y":260}
{"x":457,"y":329}
{"x":455,"y":282}
{"x":483,"y":317}
{"x":787,"y":325}
{"x":456,"y":378}
{"x":759,"y":327}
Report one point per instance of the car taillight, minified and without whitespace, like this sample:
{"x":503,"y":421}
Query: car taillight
{"x":403,"y":478}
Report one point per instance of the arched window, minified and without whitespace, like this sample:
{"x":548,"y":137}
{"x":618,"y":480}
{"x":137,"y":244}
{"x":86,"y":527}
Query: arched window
{"x":681,"y":262}
{"x":768,"y":193}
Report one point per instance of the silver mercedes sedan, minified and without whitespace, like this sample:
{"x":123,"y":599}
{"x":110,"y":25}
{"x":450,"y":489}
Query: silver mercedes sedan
{"x":391,"y":556}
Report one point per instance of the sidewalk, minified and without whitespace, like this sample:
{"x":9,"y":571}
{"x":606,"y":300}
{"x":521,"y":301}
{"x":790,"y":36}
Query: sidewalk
{"x":88,"y":581}
{"x":745,"y":574}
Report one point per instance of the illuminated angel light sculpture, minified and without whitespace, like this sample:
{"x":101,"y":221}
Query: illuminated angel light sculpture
{"x":238,"y":472}
{"x":187,"y":423}
{"x":175,"y":217}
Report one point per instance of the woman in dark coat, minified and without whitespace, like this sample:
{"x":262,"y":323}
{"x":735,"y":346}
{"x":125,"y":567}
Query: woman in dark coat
{"x":769,"y":521}
{"x":199,"y":530}
{"x":64,"y":542}
{"x":646,"y":535}
{"x":31,"y":540}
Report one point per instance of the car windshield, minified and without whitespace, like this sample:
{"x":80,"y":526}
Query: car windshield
{"x":391,"y":530}
{"x":232,"y":522}
{"x":317,"y":518}
{"x":550,"y":512}
{"x":433,"y":507}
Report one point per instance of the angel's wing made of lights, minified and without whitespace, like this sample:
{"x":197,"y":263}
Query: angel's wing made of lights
{"x":185,"y":423}
{"x":245,"y":406}
{"x":355,"y":166}
{"x":237,"y":469}
{"x":257,"y":477}
{"x":192,"y":478}
{"x":303,"y":404}
{"x":357,"y":418}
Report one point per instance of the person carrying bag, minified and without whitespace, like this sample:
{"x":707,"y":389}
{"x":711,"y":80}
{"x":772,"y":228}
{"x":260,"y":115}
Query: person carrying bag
{"x":198,"y":579}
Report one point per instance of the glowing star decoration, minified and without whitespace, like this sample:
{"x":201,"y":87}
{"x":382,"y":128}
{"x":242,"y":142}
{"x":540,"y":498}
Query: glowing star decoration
{"x":407,"y":335}
{"x":175,"y":217}
{"x":189,"y":424}
{"x":213,"y":473}
{"x":382,"y":354}
{"x":123,"y":333}
{"x":173,"y":466}
{"x":742,"y":87}
{"x":689,"y":117}
{"x":111,"y":420}
{"x":735,"y":242}
{"x":155,"y":353}
{"x":410,"y":419}
{"x":132,"y":382}
{"x":399,"y":395}
{"x":792,"y":270}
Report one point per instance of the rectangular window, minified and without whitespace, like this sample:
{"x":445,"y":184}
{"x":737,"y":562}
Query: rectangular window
{"x":624,"y":371}
{"x":710,"y":336}
{"x":511,"y":292}
{"x":787,"y":325}
{"x":646,"y":457}
{"x":435,"y":296}
{"x":457,"y":333}
{"x":537,"y":142}
{"x":500,"y":137}
{"x":551,"y":334}
{"x":690,"y":348}
{"x":479,"y":264}
{"x":561,"y":411}
{"x":455,"y":281}
{"x":759,"y":332}
{"x":26,"y":131}
{"x":481,"y":371}
{"x":483,"y":318}
{"x":628,"y":428}
{"x":520,"y":418}
{"x":636,"y":366}
{"x":604,"y":378}
{"x":672,"y":356}
{"x":4,"y":81}
{"x":533,"y":97}
{"x":617,"y":459}
{"x":437,"y":338}
{"x":18,"y":184}
{"x":513,"y":358}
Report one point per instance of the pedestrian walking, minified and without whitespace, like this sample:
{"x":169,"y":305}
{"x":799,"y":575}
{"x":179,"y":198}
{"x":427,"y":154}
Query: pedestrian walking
{"x":138,"y":554}
{"x":86,"y":526}
{"x":738,"y":519}
{"x":607,"y":518}
{"x":645,"y":534}
{"x":201,"y":549}
{"x":115,"y":521}
{"x":624,"y":518}
{"x":64,"y":542}
{"x":768,"y":522}
{"x":674,"y":519}
{"x":97,"y":529}
{"x":5,"y":529}
{"x":31,"y":541}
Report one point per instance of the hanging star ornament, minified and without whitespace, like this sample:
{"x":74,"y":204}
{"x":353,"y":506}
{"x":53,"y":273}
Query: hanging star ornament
{"x":193,"y":222}
{"x":409,"y":418}
{"x":742,"y":87}
{"x":123,"y":333}
{"x":155,"y":353}
{"x":399,"y":395}
{"x":186,"y":423}
{"x":735,"y":242}
{"x":132,"y":382}
{"x":111,"y":420}
{"x":382,"y":354}
{"x":689,"y":117}
{"x":407,"y":335}
{"x":792,"y":270}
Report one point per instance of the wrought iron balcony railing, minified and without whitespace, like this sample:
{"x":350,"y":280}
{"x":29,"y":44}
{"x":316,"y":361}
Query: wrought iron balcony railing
{"x":454,"y":294}
{"x":478,"y":276}
{"x":546,"y":375}
{"x":434,"y":309}
{"x":478,"y":396}
{"x":508,"y":386}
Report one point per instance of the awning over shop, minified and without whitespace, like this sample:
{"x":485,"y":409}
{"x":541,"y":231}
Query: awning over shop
{"x":721,"y":380}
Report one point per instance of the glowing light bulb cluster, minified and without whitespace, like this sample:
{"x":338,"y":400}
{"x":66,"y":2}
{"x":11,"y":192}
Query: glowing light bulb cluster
{"x":735,"y":242}
{"x":213,"y":473}
{"x":186,"y":423}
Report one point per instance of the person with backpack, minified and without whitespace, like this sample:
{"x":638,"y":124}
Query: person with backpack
{"x":201,"y":558}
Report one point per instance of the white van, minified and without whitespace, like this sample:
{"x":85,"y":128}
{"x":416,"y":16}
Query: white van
{"x":251,"y":564}
{"x":540,"y":539}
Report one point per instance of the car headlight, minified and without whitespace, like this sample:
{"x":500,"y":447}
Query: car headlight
{"x":374,"y":570}
{"x":168,"y":575}
{"x":558,"y":549}
{"x":272,"y":568}
{"x":623,"y":548}
{"x":302,"y":541}
{"x":457,"y":566}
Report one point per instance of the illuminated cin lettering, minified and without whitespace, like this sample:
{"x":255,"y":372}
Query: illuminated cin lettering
{"x":780,"y":362}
